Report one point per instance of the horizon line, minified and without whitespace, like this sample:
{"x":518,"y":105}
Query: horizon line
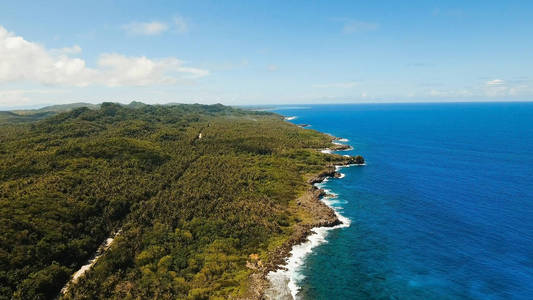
{"x":44,"y":105}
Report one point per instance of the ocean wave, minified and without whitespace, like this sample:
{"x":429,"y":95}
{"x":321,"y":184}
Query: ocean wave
{"x":330,"y":194}
{"x":292,"y":275}
{"x":284,"y":283}
{"x":334,"y":201}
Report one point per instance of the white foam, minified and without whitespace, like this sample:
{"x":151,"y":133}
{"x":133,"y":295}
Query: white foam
{"x":290,"y":118}
{"x":321,"y":184}
{"x":342,"y":175}
{"x":298,"y":255}
{"x":326,"y":151}
{"x":336,"y":202}
{"x":330,"y":194}
{"x":343,"y":140}
{"x":352,"y":165}
{"x":290,"y":276}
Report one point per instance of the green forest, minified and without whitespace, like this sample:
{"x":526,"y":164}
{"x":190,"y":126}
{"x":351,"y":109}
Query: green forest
{"x":193,"y":189}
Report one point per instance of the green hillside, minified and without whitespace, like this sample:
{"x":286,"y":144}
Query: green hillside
{"x":194,"y":189}
{"x":31,"y":115}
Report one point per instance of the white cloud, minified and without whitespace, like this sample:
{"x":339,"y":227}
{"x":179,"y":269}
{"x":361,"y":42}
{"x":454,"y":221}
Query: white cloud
{"x":450,"y":93}
{"x":521,"y":90}
{"x":351,"y":26}
{"x":495,"y":82}
{"x":67,"y":50}
{"x":13,"y":97}
{"x":21,"y":60}
{"x":121,"y":70}
{"x":180,"y":24}
{"x":342,"y":85}
{"x":145,"y":28}
{"x":512,"y":88}
{"x":496,"y":88}
{"x":177,"y":25}
{"x":21,"y":97}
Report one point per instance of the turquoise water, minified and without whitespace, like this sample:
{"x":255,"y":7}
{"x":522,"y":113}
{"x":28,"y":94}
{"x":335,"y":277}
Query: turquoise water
{"x":443,"y":209}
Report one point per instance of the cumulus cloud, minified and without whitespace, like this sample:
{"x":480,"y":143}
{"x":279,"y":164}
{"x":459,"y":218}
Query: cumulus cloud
{"x":24,"y":60}
{"x":145,"y":28}
{"x":342,"y":85}
{"x":21,"y":60}
{"x":122,"y":70}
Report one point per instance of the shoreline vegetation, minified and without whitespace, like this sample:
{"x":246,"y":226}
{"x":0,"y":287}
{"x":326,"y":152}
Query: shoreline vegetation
{"x":278,"y":285}
{"x":208,"y":199}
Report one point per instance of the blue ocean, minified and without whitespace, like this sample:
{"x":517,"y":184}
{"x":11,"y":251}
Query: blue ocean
{"x":443,"y":208}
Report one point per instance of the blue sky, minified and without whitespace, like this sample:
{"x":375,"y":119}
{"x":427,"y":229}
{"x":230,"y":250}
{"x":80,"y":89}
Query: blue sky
{"x":265,"y":52}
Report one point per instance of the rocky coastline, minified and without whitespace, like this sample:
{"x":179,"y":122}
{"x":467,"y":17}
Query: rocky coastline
{"x":322,"y":216}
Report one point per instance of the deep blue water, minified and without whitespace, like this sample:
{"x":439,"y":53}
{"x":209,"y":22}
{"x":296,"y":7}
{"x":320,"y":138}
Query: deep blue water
{"x":443,"y":209}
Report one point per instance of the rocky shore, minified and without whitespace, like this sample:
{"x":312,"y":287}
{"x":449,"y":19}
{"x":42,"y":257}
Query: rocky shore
{"x":322,"y":216}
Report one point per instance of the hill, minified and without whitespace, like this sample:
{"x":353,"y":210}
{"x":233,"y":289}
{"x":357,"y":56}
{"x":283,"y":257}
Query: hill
{"x":9,"y":117}
{"x":194,"y":191}
{"x":56,"y":108}
{"x":31,"y":115}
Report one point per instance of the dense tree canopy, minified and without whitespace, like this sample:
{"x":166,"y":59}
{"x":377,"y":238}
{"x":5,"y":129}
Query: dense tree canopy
{"x":195,"y":189}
